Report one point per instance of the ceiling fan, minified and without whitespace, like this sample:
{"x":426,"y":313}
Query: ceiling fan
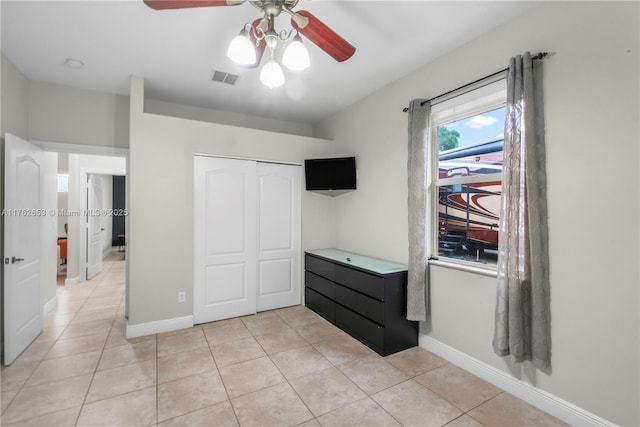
{"x":248,"y":47}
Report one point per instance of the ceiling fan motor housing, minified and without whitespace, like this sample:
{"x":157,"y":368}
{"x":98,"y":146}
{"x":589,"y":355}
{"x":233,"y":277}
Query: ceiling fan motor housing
{"x":273,"y":7}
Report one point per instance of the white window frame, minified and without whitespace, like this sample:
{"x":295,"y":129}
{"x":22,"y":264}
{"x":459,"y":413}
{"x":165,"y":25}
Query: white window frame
{"x":486,"y":96}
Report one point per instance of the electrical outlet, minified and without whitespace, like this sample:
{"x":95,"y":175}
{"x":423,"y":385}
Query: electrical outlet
{"x":182,"y":296}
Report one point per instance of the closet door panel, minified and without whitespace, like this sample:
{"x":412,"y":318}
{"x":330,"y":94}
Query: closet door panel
{"x":225,"y":238}
{"x":279,"y":195}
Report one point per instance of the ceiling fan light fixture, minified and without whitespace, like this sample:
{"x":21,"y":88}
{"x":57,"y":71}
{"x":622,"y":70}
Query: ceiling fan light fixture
{"x":241,"y":50}
{"x":248,"y":47}
{"x":272,"y":75}
{"x":296,"y":55}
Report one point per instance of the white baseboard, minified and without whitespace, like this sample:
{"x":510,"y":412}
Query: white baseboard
{"x":50,"y":305}
{"x":159,"y":326}
{"x":72,"y":281}
{"x":541,"y":399}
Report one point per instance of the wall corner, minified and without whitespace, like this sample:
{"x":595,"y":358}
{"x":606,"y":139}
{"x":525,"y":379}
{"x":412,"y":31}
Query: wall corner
{"x":136,"y":98}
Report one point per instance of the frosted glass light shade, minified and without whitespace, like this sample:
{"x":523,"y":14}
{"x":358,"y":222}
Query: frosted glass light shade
{"x":296,"y":56}
{"x":241,"y":49}
{"x":271,"y":74}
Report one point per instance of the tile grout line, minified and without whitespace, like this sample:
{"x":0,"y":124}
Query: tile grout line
{"x":271,"y":360}
{"x":313,"y":416}
{"x":95,"y":370}
{"x":321,"y":370}
{"x":367,"y":395}
{"x":486,"y":401}
{"x":226,"y":391}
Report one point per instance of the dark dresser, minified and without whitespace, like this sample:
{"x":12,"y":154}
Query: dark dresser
{"x":365,"y":297}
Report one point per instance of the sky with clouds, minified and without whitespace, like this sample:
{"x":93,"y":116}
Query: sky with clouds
{"x":483,"y":127}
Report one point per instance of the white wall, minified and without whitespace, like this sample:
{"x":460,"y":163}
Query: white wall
{"x":592,"y":100}
{"x":160,"y":236}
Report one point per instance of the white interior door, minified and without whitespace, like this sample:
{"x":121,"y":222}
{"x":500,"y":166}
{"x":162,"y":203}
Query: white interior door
{"x":225,"y":238}
{"x":23,"y":220}
{"x":94,"y":225}
{"x":278,"y":235}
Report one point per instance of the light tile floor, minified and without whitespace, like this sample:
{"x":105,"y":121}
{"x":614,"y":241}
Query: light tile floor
{"x":284,"y":367}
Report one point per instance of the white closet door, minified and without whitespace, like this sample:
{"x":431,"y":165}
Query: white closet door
{"x":278,"y":235}
{"x":225,"y":238}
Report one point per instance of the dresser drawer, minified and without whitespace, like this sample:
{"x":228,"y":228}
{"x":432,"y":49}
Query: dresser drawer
{"x":363,"y":329}
{"x":320,"y":267}
{"x":320,"y":304}
{"x":362,"y":282}
{"x":366,"y":306}
{"x":319,"y":284}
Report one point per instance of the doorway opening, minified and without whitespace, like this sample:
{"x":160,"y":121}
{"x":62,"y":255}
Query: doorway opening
{"x":37,"y":235}
{"x":91,"y":220}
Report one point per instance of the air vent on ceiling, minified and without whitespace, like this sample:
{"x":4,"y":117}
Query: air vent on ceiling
{"x":222,"y":77}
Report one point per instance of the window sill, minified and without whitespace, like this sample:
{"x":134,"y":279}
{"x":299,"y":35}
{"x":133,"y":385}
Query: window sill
{"x":462,"y":267}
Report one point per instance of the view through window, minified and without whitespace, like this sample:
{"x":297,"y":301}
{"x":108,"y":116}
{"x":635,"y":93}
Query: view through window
{"x":63,"y":183}
{"x":468,"y":183}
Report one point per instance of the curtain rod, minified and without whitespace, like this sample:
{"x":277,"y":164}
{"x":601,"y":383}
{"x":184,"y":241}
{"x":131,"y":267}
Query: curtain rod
{"x":540,"y":55}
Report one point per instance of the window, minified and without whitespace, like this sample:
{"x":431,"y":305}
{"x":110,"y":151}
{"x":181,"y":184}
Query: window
{"x":63,"y":183}
{"x":467,"y":134}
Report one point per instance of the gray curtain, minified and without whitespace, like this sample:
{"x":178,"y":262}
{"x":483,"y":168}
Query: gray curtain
{"x":522,"y":318}
{"x":417,"y":285}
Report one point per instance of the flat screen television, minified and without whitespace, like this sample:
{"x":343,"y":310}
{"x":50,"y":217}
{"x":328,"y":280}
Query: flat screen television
{"x":330,"y":174}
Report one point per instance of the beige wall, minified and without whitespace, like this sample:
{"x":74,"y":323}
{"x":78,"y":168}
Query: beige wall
{"x":64,"y":114}
{"x":227,"y":118}
{"x":591,"y":88}
{"x":160,"y":236}
{"x":14,"y":110}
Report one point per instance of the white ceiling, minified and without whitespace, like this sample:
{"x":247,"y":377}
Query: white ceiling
{"x":176,"y":50}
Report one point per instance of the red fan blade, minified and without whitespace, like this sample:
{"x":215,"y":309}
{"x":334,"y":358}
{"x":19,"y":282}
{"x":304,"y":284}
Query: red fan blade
{"x":324,"y":37}
{"x":180,"y":4}
{"x":260,"y":47}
